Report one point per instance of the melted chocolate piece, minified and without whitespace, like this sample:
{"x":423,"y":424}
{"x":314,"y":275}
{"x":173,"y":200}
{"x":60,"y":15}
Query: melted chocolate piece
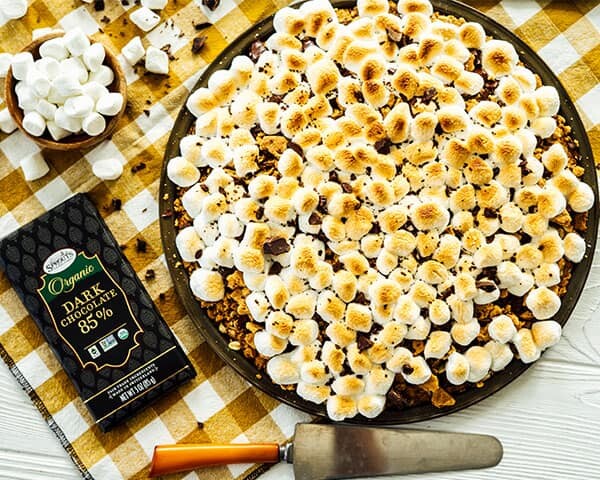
{"x":276,"y":246}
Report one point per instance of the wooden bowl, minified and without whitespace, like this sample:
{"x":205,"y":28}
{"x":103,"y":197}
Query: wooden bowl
{"x":74,"y":141}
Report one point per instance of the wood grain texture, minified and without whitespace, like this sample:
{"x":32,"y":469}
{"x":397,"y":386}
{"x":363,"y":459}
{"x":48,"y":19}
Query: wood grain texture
{"x":548,"y":419}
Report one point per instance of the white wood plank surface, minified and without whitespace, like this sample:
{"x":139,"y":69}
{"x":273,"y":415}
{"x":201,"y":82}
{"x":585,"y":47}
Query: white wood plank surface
{"x":548,"y":419}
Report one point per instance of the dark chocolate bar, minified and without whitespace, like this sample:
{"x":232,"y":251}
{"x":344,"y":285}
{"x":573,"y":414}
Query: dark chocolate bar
{"x":93,"y":311}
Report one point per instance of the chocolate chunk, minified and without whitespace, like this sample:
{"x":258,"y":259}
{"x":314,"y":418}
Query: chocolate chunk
{"x":375,"y":228}
{"x":360,"y":298}
{"x":314,"y":219}
{"x":275,"y":268}
{"x":296,"y":148}
{"x":333,"y":176}
{"x":256,"y":50}
{"x":277,"y":99}
{"x":141,"y":245}
{"x":486,"y":285}
{"x":116,"y":203}
{"x":429,"y":94}
{"x":407,"y":369}
{"x":99,"y":5}
{"x":489,"y":213}
{"x":198,"y":43}
{"x":105,"y":19}
{"x":276,"y":246}
{"x":383,"y":146}
{"x":202,"y":26}
{"x":137,"y":167}
{"x":260,"y":211}
{"x":212,"y":5}
{"x":346,"y":187}
{"x":150,"y":274}
{"x":363,"y":342}
{"x":162,"y":296}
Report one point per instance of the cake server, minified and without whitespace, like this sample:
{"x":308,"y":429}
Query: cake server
{"x":341,"y":451}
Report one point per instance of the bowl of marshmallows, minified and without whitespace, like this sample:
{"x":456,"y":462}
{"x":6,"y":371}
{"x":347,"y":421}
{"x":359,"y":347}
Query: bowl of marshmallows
{"x":65,"y":91}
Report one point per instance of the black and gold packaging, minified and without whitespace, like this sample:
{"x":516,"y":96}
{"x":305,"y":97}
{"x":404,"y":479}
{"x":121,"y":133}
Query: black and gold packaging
{"x":93,"y":311}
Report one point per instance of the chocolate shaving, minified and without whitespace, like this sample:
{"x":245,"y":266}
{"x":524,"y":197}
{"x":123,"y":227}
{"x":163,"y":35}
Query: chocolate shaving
{"x":256,"y":50}
{"x":150,"y":274}
{"x":363,"y":342}
{"x":141,"y":245}
{"x":116,"y":203}
{"x":137,"y":167}
{"x":314,"y":219}
{"x":212,"y":5}
{"x":198,"y":43}
{"x":277,"y":246}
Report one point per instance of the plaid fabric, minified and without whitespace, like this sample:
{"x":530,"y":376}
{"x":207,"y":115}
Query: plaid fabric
{"x":565,"y":33}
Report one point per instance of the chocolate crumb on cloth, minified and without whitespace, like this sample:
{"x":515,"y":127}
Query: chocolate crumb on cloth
{"x":433,"y":177}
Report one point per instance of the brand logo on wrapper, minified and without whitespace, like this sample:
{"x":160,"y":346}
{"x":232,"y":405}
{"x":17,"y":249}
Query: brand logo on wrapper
{"x":59,"y":261}
{"x":87,"y":308}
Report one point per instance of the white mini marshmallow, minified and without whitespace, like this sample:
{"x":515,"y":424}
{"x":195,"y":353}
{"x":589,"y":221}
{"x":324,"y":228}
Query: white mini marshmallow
{"x":230,"y":226}
{"x":34,"y":167}
{"x":93,"y":124}
{"x":457,"y":369}
{"x":258,"y":306}
{"x":94,"y":90}
{"x":154,"y":4}
{"x":56,"y":132}
{"x":21,"y":64}
{"x":5,"y":61}
{"x":73,"y":66}
{"x":134,"y":50}
{"x":157,"y":61}
{"x":38,"y":82}
{"x":72,"y":124}
{"x":7,"y":123}
{"x":42,"y":32}
{"x":109,"y":104}
{"x":76,"y":42}
{"x":66,"y":85}
{"x":104,"y":76}
{"x":79,"y":106}
{"x":93,"y":56}
{"x":145,"y":19}
{"x":54,"y":48}
{"x":49,"y":67}
{"x":207,"y":285}
{"x":34,"y":124}
{"x":27,"y":98}
{"x":13,"y":9}
{"x":108,"y":169}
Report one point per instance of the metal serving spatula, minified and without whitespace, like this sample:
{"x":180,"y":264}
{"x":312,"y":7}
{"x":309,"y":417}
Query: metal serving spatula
{"x":340,"y":451}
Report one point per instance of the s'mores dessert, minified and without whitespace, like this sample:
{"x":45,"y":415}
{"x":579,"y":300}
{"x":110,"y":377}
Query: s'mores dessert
{"x":380,"y":206}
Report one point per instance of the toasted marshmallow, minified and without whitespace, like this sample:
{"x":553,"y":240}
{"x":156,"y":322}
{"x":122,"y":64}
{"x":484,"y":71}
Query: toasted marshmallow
{"x":282,"y":370}
{"x":501,"y":355}
{"x":340,"y":407}
{"x":574,"y":247}
{"x":457,"y":369}
{"x":543,"y":127}
{"x":322,"y":76}
{"x":548,"y":101}
{"x":480,"y":362}
{"x":582,"y":198}
{"x":471,"y":35}
{"x":535,"y":224}
{"x":514,"y":118}
{"x":329,"y":307}
{"x":447,"y":69}
{"x":543,"y":303}
{"x":439,"y":312}
{"x":468,"y":83}
{"x":551,"y":202}
{"x":452,"y":119}
{"x":276,"y":291}
{"x":429,"y":215}
{"x":207,"y":285}
{"x":498,"y":58}
{"x":465,"y":333}
{"x":181,"y":172}
{"x":313,"y":393}
{"x":416,"y":371}
{"x":546,"y":334}
{"x":313,"y":372}
{"x":486,"y":113}
{"x":189,"y":245}
{"x":528,"y":257}
{"x":555,"y":158}
{"x":502,"y":329}
{"x":258,"y":306}
{"x":438,"y":344}
{"x":508,"y":90}
{"x":201,"y":101}
{"x":526,"y":347}
{"x":525,"y":77}
{"x":302,"y":306}
{"x":419,"y":329}
{"x":279,"y":324}
{"x":340,"y":334}
{"x":348,"y":385}
{"x":370,"y":406}
{"x":392,"y":333}
{"x":406,"y":310}
{"x":489,"y":255}
{"x":529,"y":105}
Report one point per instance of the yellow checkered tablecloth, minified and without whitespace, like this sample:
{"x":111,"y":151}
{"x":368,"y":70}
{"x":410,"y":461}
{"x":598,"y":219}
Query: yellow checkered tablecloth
{"x":565,"y":33}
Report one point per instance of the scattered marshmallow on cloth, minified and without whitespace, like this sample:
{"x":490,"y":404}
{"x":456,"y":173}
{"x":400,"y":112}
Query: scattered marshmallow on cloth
{"x":64,"y":92}
{"x":13,"y":9}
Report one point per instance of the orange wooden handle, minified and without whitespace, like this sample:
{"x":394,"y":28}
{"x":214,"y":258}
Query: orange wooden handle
{"x":178,"y":458}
